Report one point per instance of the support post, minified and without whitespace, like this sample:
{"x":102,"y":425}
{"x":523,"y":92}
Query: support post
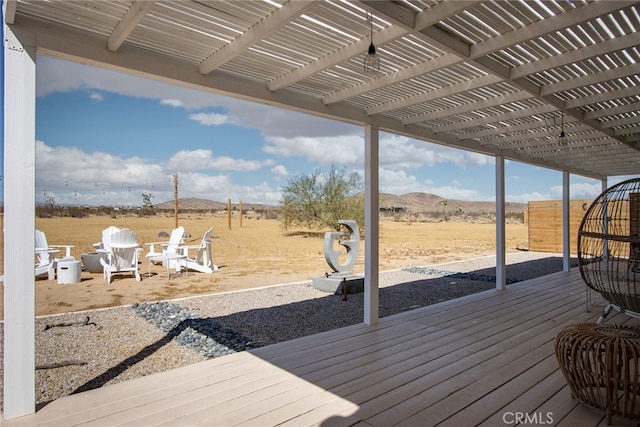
{"x":229,"y":213}
{"x":175,"y":199}
{"x":501,"y":269}
{"x":371,"y":224}
{"x":19,"y":222}
{"x":566,"y":224}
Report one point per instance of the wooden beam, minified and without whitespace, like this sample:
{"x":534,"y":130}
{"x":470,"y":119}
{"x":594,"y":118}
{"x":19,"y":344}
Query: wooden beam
{"x":131,"y":19}
{"x":262,"y":29}
{"x":432,"y":65}
{"x":577,"y":55}
{"x":450,"y":90}
{"x":471,"y":106}
{"x":547,"y":25}
{"x":591,"y":79}
{"x":349,"y":51}
{"x":10,"y":7}
{"x":410,"y":22}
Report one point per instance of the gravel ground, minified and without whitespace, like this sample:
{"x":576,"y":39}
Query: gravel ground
{"x":84,"y":350}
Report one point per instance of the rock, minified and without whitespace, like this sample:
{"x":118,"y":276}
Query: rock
{"x":205,"y":336}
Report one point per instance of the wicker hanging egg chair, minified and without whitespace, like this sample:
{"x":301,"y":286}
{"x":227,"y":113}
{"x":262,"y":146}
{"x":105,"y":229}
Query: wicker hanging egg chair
{"x":609,"y":247}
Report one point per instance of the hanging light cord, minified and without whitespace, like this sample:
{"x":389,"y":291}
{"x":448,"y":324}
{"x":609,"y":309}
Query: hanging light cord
{"x":371,"y":59}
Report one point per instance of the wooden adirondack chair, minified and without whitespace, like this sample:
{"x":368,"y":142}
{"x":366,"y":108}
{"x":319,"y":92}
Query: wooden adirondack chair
{"x":122,"y":252}
{"x":203,"y":260}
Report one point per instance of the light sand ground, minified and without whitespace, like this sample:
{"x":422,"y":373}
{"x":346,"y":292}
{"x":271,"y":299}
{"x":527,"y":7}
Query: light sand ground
{"x":258,"y":253}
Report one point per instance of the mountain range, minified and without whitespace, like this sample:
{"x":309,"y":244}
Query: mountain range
{"x":412,"y":202}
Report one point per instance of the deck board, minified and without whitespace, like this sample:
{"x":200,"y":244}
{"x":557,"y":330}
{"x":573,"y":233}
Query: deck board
{"x":472,"y":360}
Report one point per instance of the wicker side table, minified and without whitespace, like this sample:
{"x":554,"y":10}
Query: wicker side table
{"x":601,"y":366}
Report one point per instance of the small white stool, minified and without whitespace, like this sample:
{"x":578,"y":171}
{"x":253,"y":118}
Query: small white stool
{"x":68,"y":271}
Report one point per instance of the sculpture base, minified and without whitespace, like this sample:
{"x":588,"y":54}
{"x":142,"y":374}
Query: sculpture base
{"x":333,"y":283}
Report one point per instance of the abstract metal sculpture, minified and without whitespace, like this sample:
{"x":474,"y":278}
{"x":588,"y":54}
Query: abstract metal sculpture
{"x":342,"y":273}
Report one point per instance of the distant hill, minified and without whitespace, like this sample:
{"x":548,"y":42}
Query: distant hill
{"x":204,"y":204}
{"x":412,"y":202}
{"x":425,"y":202}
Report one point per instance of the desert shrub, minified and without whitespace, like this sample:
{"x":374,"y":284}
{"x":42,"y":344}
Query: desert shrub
{"x":321,"y":199}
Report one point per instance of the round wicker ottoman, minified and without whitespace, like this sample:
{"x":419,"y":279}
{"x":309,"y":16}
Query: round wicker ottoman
{"x":600,"y":363}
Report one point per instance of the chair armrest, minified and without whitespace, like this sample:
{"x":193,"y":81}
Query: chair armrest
{"x":67,"y":247}
{"x":156,"y":243}
{"x":184,"y":249}
{"x":47,"y":250}
{"x":152,"y":248}
{"x":188,"y":247}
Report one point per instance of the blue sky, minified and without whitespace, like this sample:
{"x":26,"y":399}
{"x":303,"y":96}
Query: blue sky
{"x":104,"y":138}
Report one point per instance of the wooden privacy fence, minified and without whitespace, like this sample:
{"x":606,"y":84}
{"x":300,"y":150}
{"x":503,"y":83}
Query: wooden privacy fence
{"x":545,"y":224}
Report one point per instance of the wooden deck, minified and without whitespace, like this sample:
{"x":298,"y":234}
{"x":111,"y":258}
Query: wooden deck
{"x":477,"y":360}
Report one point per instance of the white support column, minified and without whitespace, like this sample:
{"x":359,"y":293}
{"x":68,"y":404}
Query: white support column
{"x":566,"y":224}
{"x":19,"y":223}
{"x":501,"y":269}
{"x":371,"y":225}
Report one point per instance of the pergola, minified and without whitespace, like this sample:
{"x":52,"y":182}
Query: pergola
{"x":502,"y":78}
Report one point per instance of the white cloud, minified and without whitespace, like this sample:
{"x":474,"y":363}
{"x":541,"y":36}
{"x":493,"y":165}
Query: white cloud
{"x":64,"y":165}
{"x":396,"y":152}
{"x":190,"y":160}
{"x":346,"y":150}
{"x":228,"y":163}
{"x":209,"y":119}
{"x":582,"y":190}
{"x":279,"y":170}
{"x":453,"y":192}
{"x":96,"y":96}
{"x":400,"y":152}
{"x":204,"y":160}
{"x":526,"y":197}
{"x":72,"y":176}
{"x":399,"y":182}
{"x":176,"y":103}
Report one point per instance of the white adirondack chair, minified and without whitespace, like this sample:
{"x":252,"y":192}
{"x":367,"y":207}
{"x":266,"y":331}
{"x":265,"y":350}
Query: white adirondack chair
{"x":46,"y":262}
{"x":168,"y":247}
{"x":99,"y":246}
{"x":122,"y":251}
{"x":203,"y":260}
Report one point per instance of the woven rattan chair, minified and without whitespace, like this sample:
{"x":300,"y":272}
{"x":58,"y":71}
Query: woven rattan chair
{"x":609,"y":247}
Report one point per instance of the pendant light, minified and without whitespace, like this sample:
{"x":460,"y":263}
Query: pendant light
{"x":371,"y":61}
{"x":562,"y":139}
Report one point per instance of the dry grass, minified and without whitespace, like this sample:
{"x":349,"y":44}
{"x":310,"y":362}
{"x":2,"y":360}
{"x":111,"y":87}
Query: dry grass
{"x":257,"y":254}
